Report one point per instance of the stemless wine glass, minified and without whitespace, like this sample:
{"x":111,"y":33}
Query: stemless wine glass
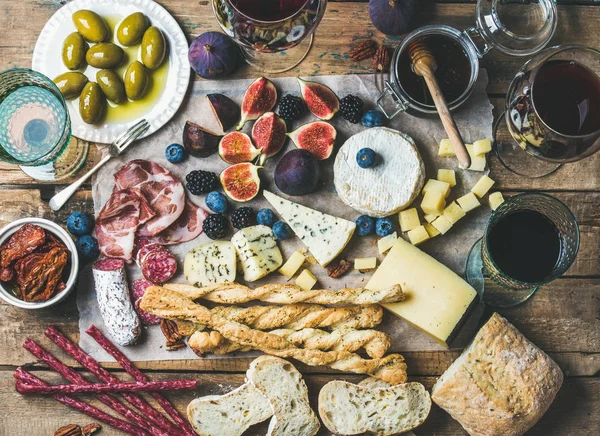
{"x":552,"y":111}
{"x":35,"y":128}
{"x":495,"y":286}
{"x":275,"y":35}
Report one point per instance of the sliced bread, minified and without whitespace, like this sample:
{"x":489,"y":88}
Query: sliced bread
{"x":230,"y":414}
{"x":282,"y":384}
{"x":349,"y":409}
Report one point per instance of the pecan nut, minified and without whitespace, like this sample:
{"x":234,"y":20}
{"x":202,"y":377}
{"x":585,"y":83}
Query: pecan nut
{"x":91,"y":429}
{"x":69,"y":430}
{"x":381,"y":60}
{"x":171,"y":332}
{"x":362,"y":50}
{"x":338,"y":268}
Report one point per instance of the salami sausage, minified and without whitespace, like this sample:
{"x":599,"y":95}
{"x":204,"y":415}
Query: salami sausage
{"x":138,"y":288}
{"x":116,"y":308}
{"x":144,"y":250}
{"x":159,"y":265}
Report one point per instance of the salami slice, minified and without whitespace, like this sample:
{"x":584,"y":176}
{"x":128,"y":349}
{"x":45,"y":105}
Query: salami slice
{"x":138,"y":288}
{"x":158,"y":266}
{"x":114,"y":301}
{"x":143,"y":252}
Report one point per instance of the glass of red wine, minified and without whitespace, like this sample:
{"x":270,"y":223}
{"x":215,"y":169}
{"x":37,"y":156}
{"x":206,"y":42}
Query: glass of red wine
{"x":552,"y":112}
{"x":275,"y":35}
{"x":530,"y":240}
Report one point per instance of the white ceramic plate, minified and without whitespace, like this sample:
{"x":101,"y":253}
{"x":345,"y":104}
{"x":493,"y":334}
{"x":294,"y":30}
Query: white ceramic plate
{"x":47,"y":60}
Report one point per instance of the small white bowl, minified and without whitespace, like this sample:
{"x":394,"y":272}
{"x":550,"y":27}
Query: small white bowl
{"x":60,"y":233}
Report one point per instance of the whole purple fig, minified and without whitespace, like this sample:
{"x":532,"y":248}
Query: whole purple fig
{"x":213,"y":55}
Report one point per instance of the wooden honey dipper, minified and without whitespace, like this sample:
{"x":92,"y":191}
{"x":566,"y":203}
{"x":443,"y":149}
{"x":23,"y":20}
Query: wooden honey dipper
{"x":423,"y":64}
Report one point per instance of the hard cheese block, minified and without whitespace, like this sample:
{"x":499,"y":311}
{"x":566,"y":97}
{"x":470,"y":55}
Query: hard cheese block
{"x":324,"y":235}
{"x":258,"y":252}
{"x":436,"y":298}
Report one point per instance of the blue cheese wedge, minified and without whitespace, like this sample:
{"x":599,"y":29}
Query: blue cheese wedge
{"x":324,"y":235}
{"x":258,"y":252}
{"x":210,"y":264}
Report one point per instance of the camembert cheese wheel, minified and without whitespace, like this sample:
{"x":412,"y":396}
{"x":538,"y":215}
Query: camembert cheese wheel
{"x":389,"y":186}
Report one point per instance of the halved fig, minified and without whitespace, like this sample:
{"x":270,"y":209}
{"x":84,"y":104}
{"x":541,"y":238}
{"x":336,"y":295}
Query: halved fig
{"x":317,"y":137}
{"x":226,"y":111}
{"x":268,"y":133}
{"x":240,"y":181}
{"x":199,"y":141}
{"x":260,"y":97}
{"x":321,"y":100}
{"x":237,"y":147}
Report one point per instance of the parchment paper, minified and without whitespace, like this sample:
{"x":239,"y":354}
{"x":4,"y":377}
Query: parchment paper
{"x":474,"y":120}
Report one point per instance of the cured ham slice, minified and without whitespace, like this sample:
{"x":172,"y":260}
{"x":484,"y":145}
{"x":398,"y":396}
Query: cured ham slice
{"x":187,"y":227}
{"x":161,"y":188}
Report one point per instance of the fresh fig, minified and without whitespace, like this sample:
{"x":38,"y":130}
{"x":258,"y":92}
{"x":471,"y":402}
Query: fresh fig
{"x":392,"y":17}
{"x":297,"y":173}
{"x":240,"y":181}
{"x":321,"y":100}
{"x":237,"y":147}
{"x":213,"y":55}
{"x":260,"y":97}
{"x":198,"y":141}
{"x":268,"y":133}
{"x":317,"y":137}
{"x":226,"y":111}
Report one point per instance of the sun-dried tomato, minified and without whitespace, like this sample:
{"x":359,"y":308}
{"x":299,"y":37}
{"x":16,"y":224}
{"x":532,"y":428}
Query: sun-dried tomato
{"x":7,"y":274}
{"x":39,"y":274}
{"x":23,"y":242}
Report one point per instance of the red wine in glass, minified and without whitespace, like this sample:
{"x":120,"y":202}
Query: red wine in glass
{"x":268,"y":10}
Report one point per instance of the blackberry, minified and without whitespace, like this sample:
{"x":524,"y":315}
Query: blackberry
{"x":290,"y":108}
{"x":215,"y":226}
{"x":201,"y":182}
{"x":243,"y":217}
{"x":351,"y":108}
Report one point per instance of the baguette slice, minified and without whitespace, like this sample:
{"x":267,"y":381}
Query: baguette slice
{"x":282,"y":384}
{"x":230,"y":414}
{"x":349,"y":409}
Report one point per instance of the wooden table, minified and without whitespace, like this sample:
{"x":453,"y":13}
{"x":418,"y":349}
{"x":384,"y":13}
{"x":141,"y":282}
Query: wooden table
{"x":563,"y":318}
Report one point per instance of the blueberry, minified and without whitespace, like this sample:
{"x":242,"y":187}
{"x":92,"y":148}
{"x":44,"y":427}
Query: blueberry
{"x":372,"y":118}
{"x":282,"y":230}
{"x":217,"y":202}
{"x":87,"y":247}
{"x":366,"y":158}
{"x":265,"y":217}
{"x":175,"y":153}
{"x":365,"y":225}
{"x":384,"y":226}
{"x":80,"y":223}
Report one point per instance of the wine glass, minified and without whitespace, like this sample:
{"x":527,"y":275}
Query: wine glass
{"x":552,"y":111}
{"x":274,"y":35}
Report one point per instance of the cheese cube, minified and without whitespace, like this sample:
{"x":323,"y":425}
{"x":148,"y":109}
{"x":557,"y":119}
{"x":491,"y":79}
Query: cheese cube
{"x":409,"y":219}
{"x":495,"y":199}
{"x":306,"y":280}
{"x":433,"y":202}
{"x":433,"y":232}
{"x":448,"y":176}
{"x":446,"y":149}
{"x":365,"y":263}
{"x":437,"y":185}
{"x":437,"y":299}
{"x":442,"y":224}
{"x":453,"y":212}
{"x":292,"y":265}
{"x":482,"y":186}
{"x":483,"y":146}
{"x":477,"y":162}
{"x":468,"y":202}
{"x":430,"y":217}
{"x":418,"y":235}
{"x":387,"y":242}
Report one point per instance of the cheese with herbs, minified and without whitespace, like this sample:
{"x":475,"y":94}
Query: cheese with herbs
{"x":210,"y":264}
{"x":258,"y":251}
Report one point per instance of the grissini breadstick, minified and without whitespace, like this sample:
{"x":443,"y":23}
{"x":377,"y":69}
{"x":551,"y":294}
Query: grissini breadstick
{"x":374,"y":342}
{"x":171,"y":305}
{"x":234,"y":293}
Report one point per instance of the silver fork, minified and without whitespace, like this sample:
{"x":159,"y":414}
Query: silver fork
{"x":115,"y":149}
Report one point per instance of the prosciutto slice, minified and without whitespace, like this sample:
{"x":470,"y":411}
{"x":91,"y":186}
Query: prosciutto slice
{"x":187,"y":227}
{"x":161,"y":188}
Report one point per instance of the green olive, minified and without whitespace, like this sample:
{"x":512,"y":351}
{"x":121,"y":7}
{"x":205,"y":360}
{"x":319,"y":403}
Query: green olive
{"x":132,"y":28}
{"x":91,"y":26}
{"x":91,"y":103}
{"x":136,"y":80}
{"x":70,"y":84}
{"x":111,"y":85}
{"x":73,"y":51}
{"x":105,"y":55}
{"x":154,"y":48}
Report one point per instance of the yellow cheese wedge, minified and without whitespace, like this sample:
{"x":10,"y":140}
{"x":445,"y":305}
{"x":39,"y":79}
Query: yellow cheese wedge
{"x":306,"y":280}
{"x":437,"y":185}
{"x":477,"y":162}
{"x":418,"y":235}
{"x":453,"y":212}
{"x":433,"y":202}
{"x":482,"y":186}
{"x":448,"y":176}
{"x":442,"y":224}
{"x":365,"y":263}
{"x":495,"y":199}
{"x":436,"y":298}
{"x":446,"y":149}
{"x":292,"y":265}
{"x":483,"y":146}
{"x":409,"y":219}
{"x":433,"y":232}
{"x":468,"y":202}
{"x":387,"y":242}
{"x":430,"y":217}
